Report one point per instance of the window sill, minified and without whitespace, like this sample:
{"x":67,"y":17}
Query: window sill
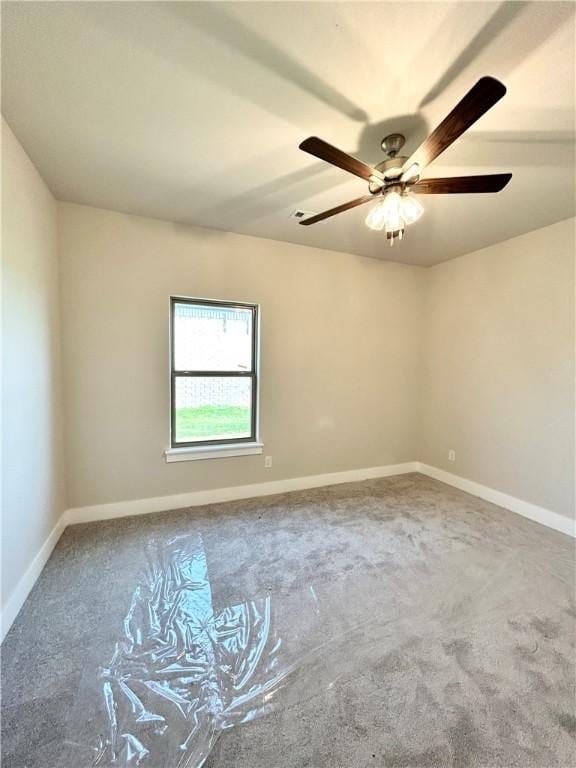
{"x":224,"y":451}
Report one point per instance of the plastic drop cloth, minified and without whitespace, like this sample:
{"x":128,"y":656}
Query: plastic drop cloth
{"x":180,"y":673}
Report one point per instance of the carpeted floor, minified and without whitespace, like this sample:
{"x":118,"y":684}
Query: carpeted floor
{"x":393,"y":622}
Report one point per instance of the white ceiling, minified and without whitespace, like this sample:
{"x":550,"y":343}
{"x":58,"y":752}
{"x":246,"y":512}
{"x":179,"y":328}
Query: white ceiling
{"x":193,"y":112}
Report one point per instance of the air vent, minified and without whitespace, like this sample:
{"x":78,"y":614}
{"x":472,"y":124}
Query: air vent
{"x":298,"y":214}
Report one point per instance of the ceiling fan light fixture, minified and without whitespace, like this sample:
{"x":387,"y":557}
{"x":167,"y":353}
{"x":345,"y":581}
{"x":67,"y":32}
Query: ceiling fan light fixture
{"x":411,"y":209}
{"x":386,"y":214}
{"x":393,"y":213}
{"x":392,"y":180}
{"x":376,"y":219}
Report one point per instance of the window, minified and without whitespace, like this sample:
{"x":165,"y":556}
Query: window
{"x":214,"y":373}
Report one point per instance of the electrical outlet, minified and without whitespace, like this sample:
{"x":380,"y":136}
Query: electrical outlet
{"x":267,"y":461}
{"x":451,"y":455}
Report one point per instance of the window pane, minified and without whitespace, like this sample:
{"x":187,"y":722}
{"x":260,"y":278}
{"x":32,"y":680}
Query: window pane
{"x":212,"y":338}
{"x":212,"y":407}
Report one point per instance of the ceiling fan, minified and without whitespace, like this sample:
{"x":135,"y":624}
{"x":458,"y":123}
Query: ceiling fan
{"x":394,"y":181}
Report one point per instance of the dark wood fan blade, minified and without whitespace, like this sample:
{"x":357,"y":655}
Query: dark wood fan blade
{"x":461,"y":184}
{"x":324,"y":151}
{"x":338,"y":209}
{"x":477,"y":101}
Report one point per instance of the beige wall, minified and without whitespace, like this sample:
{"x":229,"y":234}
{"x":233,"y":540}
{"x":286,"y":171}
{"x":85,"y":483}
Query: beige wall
{"x":498,"y":367}
{"x":32,"y":470}
{"x":364,"y":363}
{"x":340,"y":350}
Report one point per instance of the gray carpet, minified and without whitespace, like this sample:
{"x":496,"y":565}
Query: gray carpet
{"x":394,"y":622}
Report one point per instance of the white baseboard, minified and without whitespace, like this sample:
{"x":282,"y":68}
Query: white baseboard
{"x":24,"y":586}
{"x":164,"y":503}
{"x":198,"y":498}
{"x":525,"y":508}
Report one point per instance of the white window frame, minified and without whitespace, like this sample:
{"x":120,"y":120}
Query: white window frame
{"x":226,"y":447}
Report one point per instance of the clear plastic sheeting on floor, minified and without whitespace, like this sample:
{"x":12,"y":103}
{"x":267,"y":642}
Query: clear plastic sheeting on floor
{"x":409,"y":639}
{"x":181,"y":672}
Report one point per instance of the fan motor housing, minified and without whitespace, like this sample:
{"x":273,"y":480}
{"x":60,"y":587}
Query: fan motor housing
{"x":391,"y":169}
{"x":391,"y":164}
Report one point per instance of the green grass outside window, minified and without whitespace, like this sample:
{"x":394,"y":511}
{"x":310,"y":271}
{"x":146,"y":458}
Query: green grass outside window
{"x":212,"y":421}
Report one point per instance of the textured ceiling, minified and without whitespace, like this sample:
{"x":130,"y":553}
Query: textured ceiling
{"x":193,"y":112}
